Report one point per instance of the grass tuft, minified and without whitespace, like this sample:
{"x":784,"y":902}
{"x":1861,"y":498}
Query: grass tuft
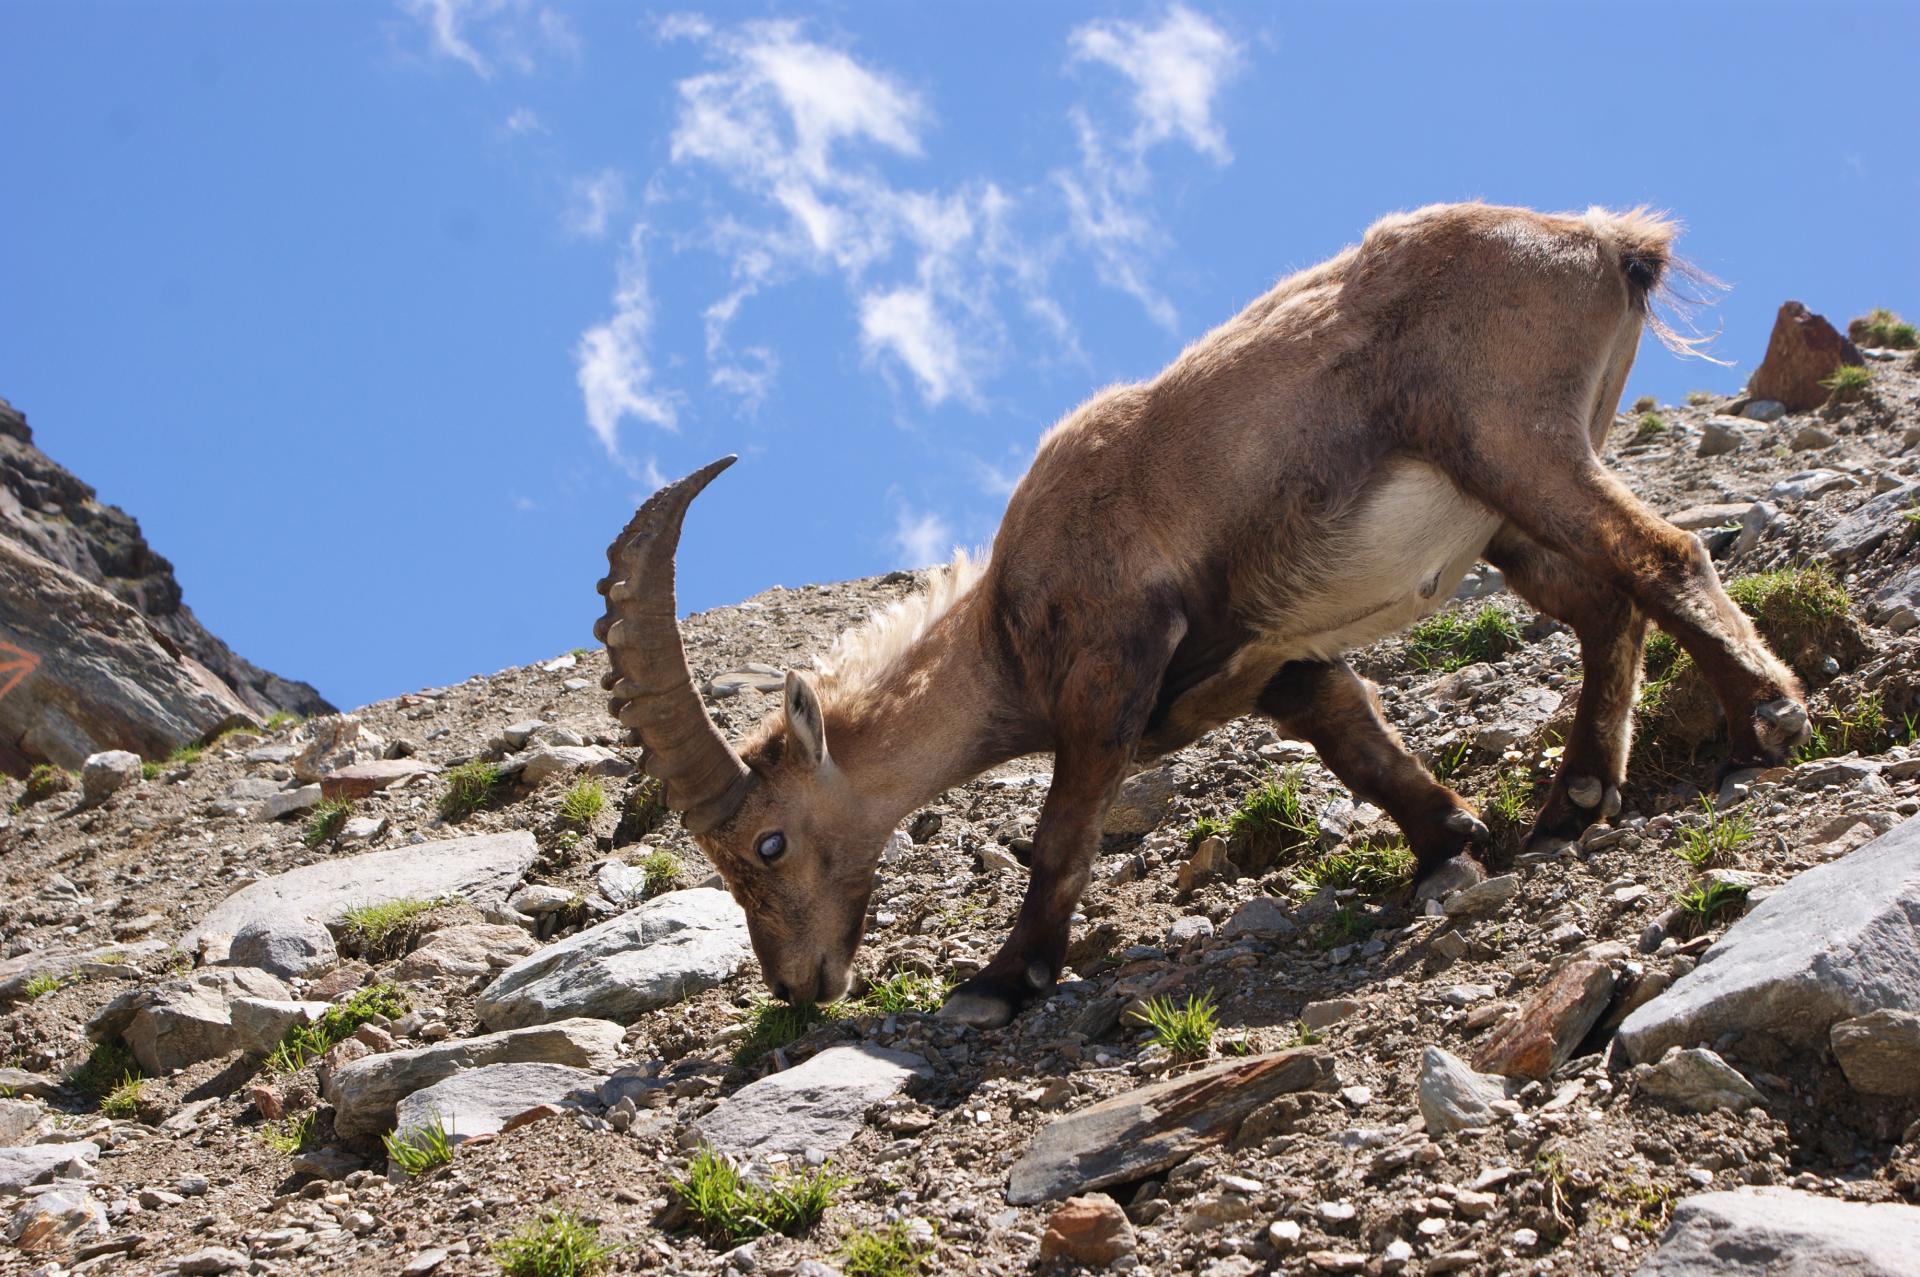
{"x":106,"y":1068}
{"x":325,"y":821}
{"x":1861,"y":725}
{"x":41,"y":985}
{"x":1273,"y":821}
{"x":470,"y":787}
{"x":1714,"y":842}
{"x":905,"y":991}
{"x":44,"y":781}
{"x":1447,"y":641}
{"x":560,"y":1245}
{"x":1505,"y":805}
{"x":582,"y":803}
{"x":1849,"y":383}
{"x":1372,"y":866}
{"x":662,"y":870}
{"x":369,"y":928}
{"x":150,"y":770}
{"x":1651,"y":425}
{"x":187,"y":755}
{"x":1185,"y":1029}
{"x":1699,"y":398}
{"x":305,"y":1043}
{"x":1204,"y":828}
{"x":1881,"y":327}
{"x":728,"y":1208}
{"x":893,"y":1251}
{"x":1645,"y":403}
{"x":419,"y":1149}
{"x":1704,"y":903}
{"x":292,"y":1136}
{"x":123,"y":1101}
{"x":775,"y":1024}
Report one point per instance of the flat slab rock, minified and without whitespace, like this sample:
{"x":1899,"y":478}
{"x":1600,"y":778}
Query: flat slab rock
{"x":37,"y":1163}
{"x":1147,"y":1130}
{"x":817,"y":1106}
{"x":480,"y":1101}
{"x":364,"y":1093}
{"x":18,"y":972}
{"x":667,"y":949}
{"x":481,"y":870}
{"x":1781,"y":1232}
{"x":1838,"y":941}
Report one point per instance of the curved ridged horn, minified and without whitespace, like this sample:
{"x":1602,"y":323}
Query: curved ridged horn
{"x":653,"y":692}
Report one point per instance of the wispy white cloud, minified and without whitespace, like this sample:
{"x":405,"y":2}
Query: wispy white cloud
{"x":592,"y":200}
{"x":515,"y":34}
{"x":522,"y":122}
{"x":906,"y":323}
{"x":611,"y":360}
{"x":921,"y":537}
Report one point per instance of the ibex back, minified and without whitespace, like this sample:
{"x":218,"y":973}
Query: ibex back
{"x":1311,"y":476}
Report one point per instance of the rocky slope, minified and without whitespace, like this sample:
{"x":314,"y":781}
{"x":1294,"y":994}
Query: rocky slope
{"x":49,"y":512}
{"x":1391,"y":1090}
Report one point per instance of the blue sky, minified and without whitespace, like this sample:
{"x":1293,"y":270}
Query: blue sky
{"x":381,"y":318}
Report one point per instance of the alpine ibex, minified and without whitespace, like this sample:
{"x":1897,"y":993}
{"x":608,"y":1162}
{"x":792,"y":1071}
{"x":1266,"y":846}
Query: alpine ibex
{"x":1313,"y":475}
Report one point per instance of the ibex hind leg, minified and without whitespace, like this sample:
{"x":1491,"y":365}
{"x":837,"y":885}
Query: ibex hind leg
{"x":1612,"y":633}
{"x":1331,"y":707}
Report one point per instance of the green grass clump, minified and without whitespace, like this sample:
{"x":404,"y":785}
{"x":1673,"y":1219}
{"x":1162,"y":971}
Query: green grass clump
{"x":1448,"y":641}
{"x":1204,"y":828}
{"x":662,"y":871}
{"x":368,"y":928}
{"x":1704,"y":903}
{"x":1185,"y":1029}
{"x":1881,"y":327}
{"x":1345,"y":925}
{"x":774,"y":1024}
{"x":419,"y":1149}
{"x":1699,"y":398}
{"x":893,"y":1251}
{"x":44,"y":781}
{"x":123,"y":1101}
{"x":1714,"y":842}
{"x":1505,"y":805}
{"x":150,"y":770}
{"x":560,"y":1245}
{"x":325,"y":821}
{"x":106,"y":1068}
{"x":187,"y":755}
{"x":41,"y":985}
{"x":1304,"y":1035}
{"x":728,"y":1208}
{"x":281,"y":718}
{"x":470,"y":787}
{"x":1372,"y":866}
{"x":305,"y":1043}
{"x":1861,"y":725}
{"x":1849,"y":383}
{"x":291,"y":1136}
{"x":1650,"y":426}
{"x":905,"y":991}
{"x":1273,"y":821}
{"x":1447,"y":763}
{"x":582,"y":803}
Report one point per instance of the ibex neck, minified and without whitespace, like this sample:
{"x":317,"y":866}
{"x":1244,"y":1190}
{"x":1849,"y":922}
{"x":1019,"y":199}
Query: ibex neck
{"x":935,"y":719}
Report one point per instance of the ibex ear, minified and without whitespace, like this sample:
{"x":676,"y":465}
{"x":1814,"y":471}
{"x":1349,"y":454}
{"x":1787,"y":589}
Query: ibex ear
{"x":806,"y":727}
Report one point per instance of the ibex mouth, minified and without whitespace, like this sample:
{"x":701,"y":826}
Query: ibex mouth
{"x":653,"y":691}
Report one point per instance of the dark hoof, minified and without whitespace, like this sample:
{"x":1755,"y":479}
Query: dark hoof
{"x":1464,"y":824}
{"x":1448,"y":877}
{"x":987,"y":1002}
{"x":1779,"y":726}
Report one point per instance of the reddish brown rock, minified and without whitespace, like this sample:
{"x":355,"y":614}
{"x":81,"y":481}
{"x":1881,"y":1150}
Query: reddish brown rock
{"x":1088,"y":1230}
{"x":1803,"y":351}
{"x":1541,"y":1036}
{"x":362,"y":779}
{"x":268,"y":1101}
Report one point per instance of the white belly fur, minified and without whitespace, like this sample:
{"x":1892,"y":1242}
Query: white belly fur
{"x":1399,"y":558}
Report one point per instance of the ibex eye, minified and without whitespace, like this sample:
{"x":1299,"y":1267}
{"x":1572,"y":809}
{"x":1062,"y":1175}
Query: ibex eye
{"x":771,"y":847}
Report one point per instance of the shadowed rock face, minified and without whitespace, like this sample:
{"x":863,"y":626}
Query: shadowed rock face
{"x":52,"y":514}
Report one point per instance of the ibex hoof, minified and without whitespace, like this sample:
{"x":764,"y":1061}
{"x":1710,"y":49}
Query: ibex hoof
{"x":1469,"y":826}
{"x":1780,"y":724}
{"x":977,"y":1010}
{"x":1585,"y":791}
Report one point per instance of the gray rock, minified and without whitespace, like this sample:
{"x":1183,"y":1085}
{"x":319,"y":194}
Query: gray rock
{"x":181,"y":1022}
{"x":516,"y":735}
{"x":816,"y":1107}
{"x":209,"y":1261}
{"x":55,"y":1219}
{"x":1185,"y":931}
{"x":1481,"y":897}
{"x":18,"y":972}
{"x":38,"y":1163}
{"x":107,"y":773}
{"x":545,"y":761}
{"x":480,"y":870}
{"x":365,"y":1091}
{"x":1260,"y":916}
{"x":1767,"y":410}
{"x":260,"y":1023}
{"x":287,"y":946}
{"x":1880,"y":1052}
{"x":1515,"y":717}
{"x":286,"y":802}
{"x":466,"y":951}
{"x":1812,"y":436}
{"x":1699,"y":517}
{"x":1780,"y":1232}
{"x":1455,"y":1098}
{"x":1722,"y":435}
{"x":1760,"y":516}
{"x":22,"y":1082}
{"x":668,"y":949}
{"x":21,"y":1122}
{"x":537,"y":899}
{"x":623,"y":884}
{"x":1838,"y":941}
{"x":334,"y":741}
{"x":96,"y":674}
{"x":1872,"y":523}
{"x":1142,"y":803}
{"x":1897,"y":603}
{"x":480,"y":1101}
{"x":1696,"y":1079}
{"x":1808,"y":484}
{"x":1146,"y":1130}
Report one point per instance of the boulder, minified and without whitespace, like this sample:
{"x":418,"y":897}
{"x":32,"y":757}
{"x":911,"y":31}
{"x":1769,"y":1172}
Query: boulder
{"x":365,"y":1091}
{"x":667,"y":949}
{"x":1698,"y":1080}
{"x":466,"y":951}
{"x":1782,"y":1232}
{"x":543,"y":762}
{"x":480,"y":870}
{"x":1803,"y":351}
{"x":1542,"y":1035}
{"x":1880,"y":1052}
{"x":107,"y":773}
{"x":1836,"y":942}
{"x":1146,"y":1130}
{"x":259,"y":1024}
{"x":83,"y":672}
{"x":37,"y":1163}
{"x":181,"y":1022}
{"x":1722,"y":435}
{"x":1455,"y":1098}
{"x":18,"y":972}
{"x":287,"y":946}
{"x":1896,"y":604}
{"x":1872,"y":523}
{"x":813,"y":1109}
{"x":1142,"y":803}
{"x":56,"y":1219}
{"x":285,"y":802}
{"x":481,"y":1101}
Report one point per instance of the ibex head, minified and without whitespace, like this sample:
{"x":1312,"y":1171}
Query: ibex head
{"x":795,"y":843}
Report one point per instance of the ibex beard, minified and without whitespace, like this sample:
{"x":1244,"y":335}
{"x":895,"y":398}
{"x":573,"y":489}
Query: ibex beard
{"x":1310,"y":477}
